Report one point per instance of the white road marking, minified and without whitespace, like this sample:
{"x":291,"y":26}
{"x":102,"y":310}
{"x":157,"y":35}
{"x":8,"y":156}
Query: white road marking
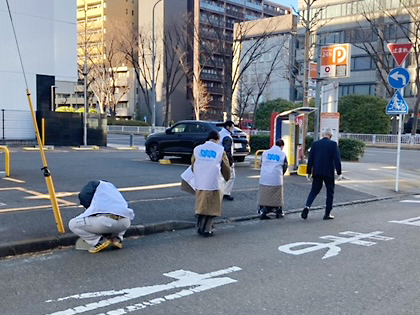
{"x":14,"y":180}
{"x":333,"y":248}
{"x":194,"y":282}
{"x":412,"y":221}
{"x":410,"y":201}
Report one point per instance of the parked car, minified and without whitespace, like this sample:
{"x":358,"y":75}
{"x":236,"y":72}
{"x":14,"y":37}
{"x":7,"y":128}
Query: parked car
{"x":184,"y":136}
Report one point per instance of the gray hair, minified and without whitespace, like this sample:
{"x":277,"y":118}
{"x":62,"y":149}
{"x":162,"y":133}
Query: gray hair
{"x":327,"y":132}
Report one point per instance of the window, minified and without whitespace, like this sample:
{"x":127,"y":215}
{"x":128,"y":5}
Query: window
{"x":361,"y":89}
{"x":361,"y":63}
{"x":196,"y":128}
{"x":179,"y":128}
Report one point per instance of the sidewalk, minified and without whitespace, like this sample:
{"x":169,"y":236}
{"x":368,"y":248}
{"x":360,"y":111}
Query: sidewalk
{"x":371,"y":179}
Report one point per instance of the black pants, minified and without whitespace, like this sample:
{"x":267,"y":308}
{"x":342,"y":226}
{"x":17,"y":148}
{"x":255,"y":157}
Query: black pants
{"x":204,"y":223}
{"x":316,"y":188}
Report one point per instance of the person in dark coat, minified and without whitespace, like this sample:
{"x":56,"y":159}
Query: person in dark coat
{"x":324,"y":159}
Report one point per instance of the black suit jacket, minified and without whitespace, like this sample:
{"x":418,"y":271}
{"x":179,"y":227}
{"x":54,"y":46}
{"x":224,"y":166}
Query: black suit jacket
{"x":324,"y":158}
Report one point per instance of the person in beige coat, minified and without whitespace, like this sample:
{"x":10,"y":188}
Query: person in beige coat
{"x":209,"y":164}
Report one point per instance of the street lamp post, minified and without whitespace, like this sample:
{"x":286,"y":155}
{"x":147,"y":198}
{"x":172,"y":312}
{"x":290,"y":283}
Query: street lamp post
{"x":153,"y":68}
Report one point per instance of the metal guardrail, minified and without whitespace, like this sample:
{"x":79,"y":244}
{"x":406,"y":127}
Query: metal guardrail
{"x":382,"y":139}
{"x":139,"y":130}
{"x":366,"y":138}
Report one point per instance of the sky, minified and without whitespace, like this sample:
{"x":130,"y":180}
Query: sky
{"x":289,"y":3}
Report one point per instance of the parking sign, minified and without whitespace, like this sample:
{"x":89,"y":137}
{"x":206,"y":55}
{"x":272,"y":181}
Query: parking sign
{"x":335,"y":61}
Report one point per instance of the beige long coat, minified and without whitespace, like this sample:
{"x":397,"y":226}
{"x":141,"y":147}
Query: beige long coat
{"x":209,"y":202}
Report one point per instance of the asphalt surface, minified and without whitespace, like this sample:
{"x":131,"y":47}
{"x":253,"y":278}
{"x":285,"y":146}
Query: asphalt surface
{"x":153,"y":192}
{"x":244,"y":269}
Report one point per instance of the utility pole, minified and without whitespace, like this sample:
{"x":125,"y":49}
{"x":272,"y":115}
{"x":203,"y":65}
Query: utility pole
{"x":307,"y":47}
{"x":153,"y":68}
{"x":196,"y":58}
{"x":85,"y":74}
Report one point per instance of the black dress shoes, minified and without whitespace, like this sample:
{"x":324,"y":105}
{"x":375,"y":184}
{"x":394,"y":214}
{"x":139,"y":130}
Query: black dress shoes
{"x":304,"y":213}
{"x":227,"y":197}
{"x":328,"y":217}
{"x":279,"y":213}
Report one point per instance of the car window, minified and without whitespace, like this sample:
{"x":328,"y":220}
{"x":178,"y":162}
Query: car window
{"x":179,"y":128}
{"x":196,"y":128}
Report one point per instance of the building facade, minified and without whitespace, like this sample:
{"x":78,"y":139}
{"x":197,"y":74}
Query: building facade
{"x":347,"y":22}
{"x":216,"y":20}
{"x":47,"y":35}
{"x":266,"y":55}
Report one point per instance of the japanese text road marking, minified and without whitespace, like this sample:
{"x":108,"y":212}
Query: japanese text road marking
{"x":193,"y":282}
{"x":333,"y":248}
{"x":411,"y":221}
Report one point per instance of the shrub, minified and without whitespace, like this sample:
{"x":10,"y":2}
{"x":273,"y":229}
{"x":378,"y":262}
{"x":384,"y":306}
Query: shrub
{"x":351,"y":149}
{"x":308,"y":144}
{"x":260,"y":142}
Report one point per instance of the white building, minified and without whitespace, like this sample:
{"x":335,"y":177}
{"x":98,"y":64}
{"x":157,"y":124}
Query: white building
{"x":47,"y":35}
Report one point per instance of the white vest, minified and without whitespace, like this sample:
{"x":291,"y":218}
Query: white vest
{"x":207,"y":166}
{"x":272,"y":167}
{"x":223,"y":134}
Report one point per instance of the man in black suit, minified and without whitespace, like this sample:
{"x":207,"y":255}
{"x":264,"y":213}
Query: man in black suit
{"x":324,"y":159}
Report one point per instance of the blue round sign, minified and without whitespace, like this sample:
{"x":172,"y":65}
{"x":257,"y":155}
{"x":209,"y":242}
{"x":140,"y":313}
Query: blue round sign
{"x":398,"y":78}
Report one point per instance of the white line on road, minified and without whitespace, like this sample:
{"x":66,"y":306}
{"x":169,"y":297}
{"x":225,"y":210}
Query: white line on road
{"x":192,"y":282}
{"x":410,"y":201}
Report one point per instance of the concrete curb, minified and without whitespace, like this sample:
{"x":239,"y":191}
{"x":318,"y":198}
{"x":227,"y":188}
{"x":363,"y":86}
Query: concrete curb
{"x":48,"y":243}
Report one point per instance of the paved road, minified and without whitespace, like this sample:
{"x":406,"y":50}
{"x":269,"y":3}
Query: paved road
{"x":372,"y":270}
{"x":409,"y":158}
{"x":151,"y":189}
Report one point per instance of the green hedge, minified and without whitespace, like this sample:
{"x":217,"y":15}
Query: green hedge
{"x":351,"y":149}
{"x":123,"y":122}
{"x":260,"y":142}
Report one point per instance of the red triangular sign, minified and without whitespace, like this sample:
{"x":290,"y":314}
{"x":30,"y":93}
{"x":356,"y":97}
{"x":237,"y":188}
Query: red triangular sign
{"x":399,"y":51}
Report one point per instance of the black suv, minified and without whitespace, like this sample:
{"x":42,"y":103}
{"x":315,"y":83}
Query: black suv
{"x":184,"y":136}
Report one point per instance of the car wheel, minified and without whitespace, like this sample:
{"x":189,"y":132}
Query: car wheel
{"x":154,"y":152}
{"x":240,"y":159}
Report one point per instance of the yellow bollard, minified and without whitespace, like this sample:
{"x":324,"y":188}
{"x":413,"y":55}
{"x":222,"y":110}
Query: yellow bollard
{"x":257,"y":164}
{"x":7,"y":160}
{"x":47,"y":174}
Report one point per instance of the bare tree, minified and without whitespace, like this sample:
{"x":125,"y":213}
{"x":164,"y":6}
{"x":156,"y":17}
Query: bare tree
{"x":259,"y":75}
{"x":219,"y":49}
{"x":108,"y":79}
{"x":242,"y":97}
{"x":202,"y":100}
{"x":310,"y":20}
{"x":175,"y":46}
{"x":136,"y":44}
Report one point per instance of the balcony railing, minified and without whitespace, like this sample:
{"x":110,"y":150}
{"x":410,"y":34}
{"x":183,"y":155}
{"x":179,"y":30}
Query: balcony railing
{"x":212,"y":7}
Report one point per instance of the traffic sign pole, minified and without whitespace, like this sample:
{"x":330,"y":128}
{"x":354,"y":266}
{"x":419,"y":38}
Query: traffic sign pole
{"x":398,"y":78}
{"x":397,"y":179}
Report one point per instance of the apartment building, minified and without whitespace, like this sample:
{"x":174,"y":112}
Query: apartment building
{"x":99,"y":22}
{"x":345,"y":22}
{"x":217,"y":19}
